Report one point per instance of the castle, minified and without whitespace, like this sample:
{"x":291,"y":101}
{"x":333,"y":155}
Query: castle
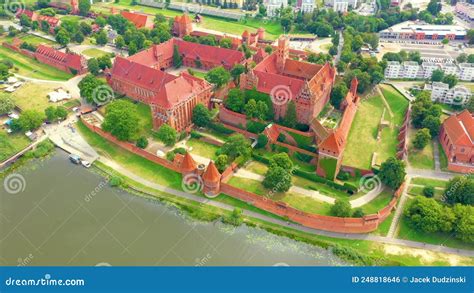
{"x":307,"y":85}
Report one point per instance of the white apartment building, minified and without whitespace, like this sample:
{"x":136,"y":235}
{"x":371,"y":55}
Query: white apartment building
{"x":412,"y":70}
{"x":305,"y":6}
{"x":441,"y":93}
{"x":466,"y":71}
{"x":273,"y":5}
{"x":341,"y":5}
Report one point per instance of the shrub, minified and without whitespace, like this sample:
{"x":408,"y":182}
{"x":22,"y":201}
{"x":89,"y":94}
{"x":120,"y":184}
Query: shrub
{"x":343,"y":175}
{"x":195,"y":134}
{"x":428,"y":191}
{"x":219,"y":127}
{"x":142,"y":142}
{"x":262,"y":140}
{"x":358,"y":213}
{"x":170,"y":156}
{"x":303,"y":157}
{"x":341,"y":208}
{"x":115,"y":181}
{"x":255,"y":127}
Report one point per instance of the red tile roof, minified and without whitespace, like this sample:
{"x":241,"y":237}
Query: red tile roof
{"x":460,"y":128}
{"x":211,"y":174}
{"x":188,"y":164}
{"x":168,"y":89}
{"x":74,"y":61}
{"x":139,"y":19}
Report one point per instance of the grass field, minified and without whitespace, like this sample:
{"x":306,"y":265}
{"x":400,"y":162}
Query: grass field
{"x":301,"y":202}
{"x":443,"y":159}
{"x":33,"y":96}
{"x":94,"y":53}
{"x":146,"y":121}
{"x":11,"y":144}
{"x":378,"y":203}
{"x":272,"y":29}
{"x":421,"y":159}
{"x":202,"y":148}
{"x":31,"y":68}
{"x":429,"y":181}
{"x":32,"y":39}
{"x":362,"y":141}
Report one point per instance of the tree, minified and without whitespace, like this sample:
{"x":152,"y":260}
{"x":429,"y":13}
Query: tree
{"x":460,"y":189}
{"x":61,"y":112}
{"x":451,"y":80}
{"x":281,"y":160}
{"x":462,"y":58}
{"x":100,"y":21}
{"x":201,"y":115}
{"x":218,"y":76}
{"x":167,"y":135}
{"x":268,"y":49}
{"x":119,"y":42}
{"x":50,"y":113}
{"x":93,"y":66}
{"x":142,"y":142}
{"x":62,"y":37}
{"x":262,"y":110}
{"x":422,"y":138}
{"x":392,"y":172}
{"x":177,"y":59}
{"x":90,"y":89}
{"x":445,"y":41}
{"x":251,"y":109}
{"x":277,"y":179}
{"x":236,"y":145}
{"x":235,"y":100}
{"x":464,"y":226}
{"x":290,"y":119}
{"x":433,"y":123}
{"x":235,"y":218}
{"x":24,"y":20}
{"x":341,"y":208}
{"x":262,"y":140}
{"x":29,"y":120}
{"x":428,"y":191}
{"x":78,"y":37}
{"x":236,"y":71}
{"x":221,"y":162}
{"x":470,"y":58}
{"x":6,"y":104}
{"x":85,"y":28}
{"x":434,"y":7}
{"x":338,"y":93}
{"x":121,"y":120}
{"x":437,"y":75}
{"x":101,"y":38}
{"x":225,"y":43}
{"x":358,"y":213}
{"x":104,"y":62}
{"x":84,"y":7}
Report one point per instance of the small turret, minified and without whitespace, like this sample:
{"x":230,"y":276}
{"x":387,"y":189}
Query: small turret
{"x":212,"y":180}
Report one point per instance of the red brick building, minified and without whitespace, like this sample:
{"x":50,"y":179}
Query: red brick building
{"x":193,"y":55}
{"x":332,"y":142}
{"x":284,"y":79}
{"x":68,"y":62}
{"x":33,"y":16}
{"x":65,"y":5}
{"x":457,"y":139}
{"x":182,"y":25}
{"x":140,"y":20}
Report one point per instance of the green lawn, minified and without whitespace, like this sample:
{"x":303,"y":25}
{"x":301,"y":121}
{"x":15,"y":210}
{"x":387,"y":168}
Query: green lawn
{"x":421,"y":159}
{"x":32,"y":39}
{"x":33,"y":96}
{"x":257,"y":167}
{"x":418,"y":190}
{"x":134,"y":163}
{"x":429,"y":181}
{"x":11,"y":144}
{"x":94,"y":53}
{"x":300,"y":202}
{"x":378,"y":203}
{"x":272,"y":29}
{"x":384,"y":226}
{"x":321,"y":188}
{"x":29,"y":67}
{"x":146,"y":121}
{"x":202,"y":148}
{"x":362,"y":141}
{"x":443,"y":159}
{"x":302,"y":165}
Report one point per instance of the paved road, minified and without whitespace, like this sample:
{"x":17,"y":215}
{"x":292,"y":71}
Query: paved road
{"x":380,"y":239}
{"x":433,"y":174}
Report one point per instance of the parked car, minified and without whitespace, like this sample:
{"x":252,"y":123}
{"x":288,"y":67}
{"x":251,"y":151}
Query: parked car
{"x":86,"y":164}
{"x":75,"y":159}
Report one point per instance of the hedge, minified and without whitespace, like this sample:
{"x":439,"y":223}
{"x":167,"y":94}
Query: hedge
{"x":219,"y":127}
{"x":255,"y":126}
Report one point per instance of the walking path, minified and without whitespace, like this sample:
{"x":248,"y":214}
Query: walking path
{"x":398,"y":211}
{"x":380,"y":239}
{"x":436,"y":155}
{"x":358,"y":202}
{"x":433,"y":174}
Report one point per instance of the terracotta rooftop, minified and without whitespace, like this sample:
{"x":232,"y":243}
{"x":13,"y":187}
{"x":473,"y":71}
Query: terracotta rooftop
{"x":188,"y":164}
{"x":211,"y":174}
{"x":74,"y":61}
{"x":460,"y":128}
{"x":139,"y":19}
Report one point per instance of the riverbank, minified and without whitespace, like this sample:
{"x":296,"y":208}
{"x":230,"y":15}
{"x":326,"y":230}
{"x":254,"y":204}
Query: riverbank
{"x":358,"y":252}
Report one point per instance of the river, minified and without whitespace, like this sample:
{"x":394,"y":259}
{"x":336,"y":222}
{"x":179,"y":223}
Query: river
{"x":64,"y":214}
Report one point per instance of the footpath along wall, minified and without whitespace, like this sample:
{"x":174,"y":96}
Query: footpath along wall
{"x":365,"y":224}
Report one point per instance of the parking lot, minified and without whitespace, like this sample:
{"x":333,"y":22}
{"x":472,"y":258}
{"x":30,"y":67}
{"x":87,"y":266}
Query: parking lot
{"x":428,"y":51}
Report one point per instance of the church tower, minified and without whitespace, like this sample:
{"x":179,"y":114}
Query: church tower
{"x":282,"y":52}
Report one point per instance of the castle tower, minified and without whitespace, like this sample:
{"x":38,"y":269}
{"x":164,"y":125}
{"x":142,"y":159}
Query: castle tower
{"x":282,"y":52}
{"x":354,"y":84}
{"x":212,"y":180}
{"x":261,"y":33}
{"x":188,"y":165}
{"x":75,"y":6}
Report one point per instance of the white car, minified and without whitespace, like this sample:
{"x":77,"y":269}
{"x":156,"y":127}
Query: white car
{"x":86,"y":164}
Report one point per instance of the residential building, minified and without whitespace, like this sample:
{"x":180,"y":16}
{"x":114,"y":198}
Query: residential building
{"x":419,"y":31}
{"x":441,"y":93}
{"x":341,"y":5}
{"x":411,"y":70}
{"x":284,"y":79}
{"x":171,"y":98}
{"x":73,"y":5}
{"x":305,"y":6}
{"x":182,"y":25}
{"x":273,"y":5}
{"x":457,"y":139}
{"x":465,"y":11}
{"x":466,"y":71}
{"x":52,"y":21}
{"x":68,"y":62}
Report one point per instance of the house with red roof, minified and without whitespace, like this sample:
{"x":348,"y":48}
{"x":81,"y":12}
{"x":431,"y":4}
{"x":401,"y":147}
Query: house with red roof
{"x":182,"y":25}
{"x":34,"y":16}
{"x":457,"y":139}
{"x":286,"y":80}
{"x":332,"y":142}
{"x":140,"y":20}
{"x":68,"y":62}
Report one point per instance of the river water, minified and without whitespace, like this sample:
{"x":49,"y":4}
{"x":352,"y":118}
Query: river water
{"x":64,"y":214}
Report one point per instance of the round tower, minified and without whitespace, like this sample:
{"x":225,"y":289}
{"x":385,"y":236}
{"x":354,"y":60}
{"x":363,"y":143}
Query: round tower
{"x":212,"y":180}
